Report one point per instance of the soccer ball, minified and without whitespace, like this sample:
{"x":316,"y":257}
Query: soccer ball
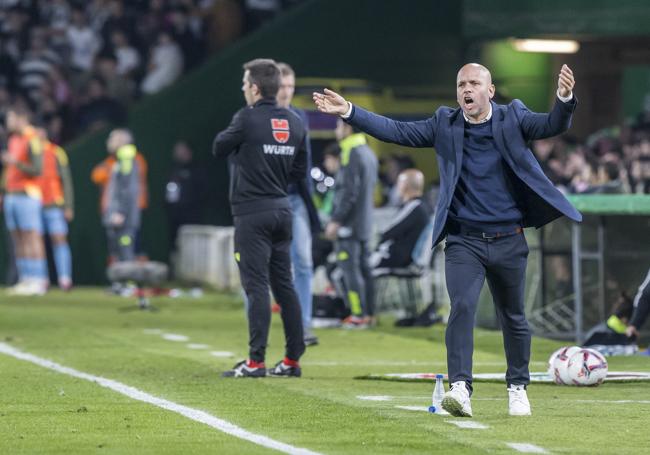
{"x":587,"y":367}
{"x":558,"y":364}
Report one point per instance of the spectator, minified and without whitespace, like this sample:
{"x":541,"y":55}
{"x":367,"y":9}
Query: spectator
{"x":128,"y":58}
{"x":117,"y":88}
{"x":398,"y":240}
{"x":99,"y":110}
{"x":83,"y":40}
{"x":165,"y":64}
{"x":185,"y":192}
{"x":36,"y":66}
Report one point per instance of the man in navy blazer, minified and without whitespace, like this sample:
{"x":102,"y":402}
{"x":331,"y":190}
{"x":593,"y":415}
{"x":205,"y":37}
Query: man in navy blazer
{"x":491,"y":187}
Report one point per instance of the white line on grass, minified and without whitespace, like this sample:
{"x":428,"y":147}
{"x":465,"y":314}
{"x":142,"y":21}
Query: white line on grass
{"x":375,"y":397}
{"x":131,"y":392}
{"x":614,"y":401}
{"x":526,"y":448}
{"x":468,"y":424}
{"x":414,"y":408}
{"x":175,"y":337}
{"x":197,"y":346}
{"x":396,"y":363}
{"x":222,"y":354}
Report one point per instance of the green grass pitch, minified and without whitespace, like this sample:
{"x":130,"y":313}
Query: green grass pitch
{"x":46,"y":412}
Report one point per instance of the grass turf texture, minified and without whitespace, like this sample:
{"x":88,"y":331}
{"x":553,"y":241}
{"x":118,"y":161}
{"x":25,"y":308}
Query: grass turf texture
{"x":42,"y":411}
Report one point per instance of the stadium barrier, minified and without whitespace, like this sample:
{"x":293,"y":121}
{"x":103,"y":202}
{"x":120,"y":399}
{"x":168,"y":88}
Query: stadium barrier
{"x":206,"y":256}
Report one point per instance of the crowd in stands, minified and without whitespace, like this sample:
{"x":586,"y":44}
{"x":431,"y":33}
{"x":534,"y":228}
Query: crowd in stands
{"x":79,"y":64}
{"x":611,"y":161}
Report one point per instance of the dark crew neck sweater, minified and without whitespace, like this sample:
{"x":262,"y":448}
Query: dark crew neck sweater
{"x":486,"y":192}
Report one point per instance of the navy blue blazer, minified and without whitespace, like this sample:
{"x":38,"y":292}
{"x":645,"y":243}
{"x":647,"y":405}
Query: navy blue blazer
{"x":513,"y":126}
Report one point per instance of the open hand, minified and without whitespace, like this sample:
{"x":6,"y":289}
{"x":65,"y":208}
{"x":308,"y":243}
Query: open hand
{"x":565,"y":81}
{"x":330,"y":102}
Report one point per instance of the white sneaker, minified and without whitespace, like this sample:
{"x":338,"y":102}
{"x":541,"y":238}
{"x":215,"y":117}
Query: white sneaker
{"x":31,"y":288}
{"x":456,"y":401}
{"x":518,"y":404}
{"x":16,"y":289}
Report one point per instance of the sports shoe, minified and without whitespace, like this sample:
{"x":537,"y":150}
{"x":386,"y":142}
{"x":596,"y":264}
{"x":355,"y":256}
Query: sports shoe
{"x":30,"y":288}
{"x":286,"y":368}
{"x":246,"y":369}
{"x":456,"y":401}
{"x":518,"y":404}
{"x":356,"y":322}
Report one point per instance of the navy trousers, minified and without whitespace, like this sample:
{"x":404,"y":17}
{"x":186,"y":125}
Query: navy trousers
{"x":468,"y":262}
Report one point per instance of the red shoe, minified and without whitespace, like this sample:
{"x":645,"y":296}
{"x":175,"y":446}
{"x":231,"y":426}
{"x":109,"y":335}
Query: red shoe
{"x":275,"y":308}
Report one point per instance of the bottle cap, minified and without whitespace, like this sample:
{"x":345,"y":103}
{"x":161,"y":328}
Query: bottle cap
{"x":439,"y":376}
{"x":432,"y":409}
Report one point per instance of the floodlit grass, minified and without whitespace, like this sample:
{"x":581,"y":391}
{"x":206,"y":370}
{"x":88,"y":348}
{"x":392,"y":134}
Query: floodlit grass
{"x":42,"y":411}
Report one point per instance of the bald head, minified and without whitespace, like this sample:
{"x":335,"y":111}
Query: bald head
{"x":118,"y":138}
{"x":410,"y":184}
{"x":474,"y":90}
{"x":475,"y":68}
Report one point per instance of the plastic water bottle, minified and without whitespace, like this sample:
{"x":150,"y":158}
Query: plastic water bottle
{"x":436,"y":397}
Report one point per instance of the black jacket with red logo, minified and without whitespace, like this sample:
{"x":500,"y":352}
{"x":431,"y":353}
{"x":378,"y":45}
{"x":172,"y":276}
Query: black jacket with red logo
{"x":265,"y":145}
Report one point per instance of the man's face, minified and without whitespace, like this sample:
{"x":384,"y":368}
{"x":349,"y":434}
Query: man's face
{"x":248,"y":89}
{"x":287,"y":88}
{"x":116,"y":140}
{"x":474,"y":90}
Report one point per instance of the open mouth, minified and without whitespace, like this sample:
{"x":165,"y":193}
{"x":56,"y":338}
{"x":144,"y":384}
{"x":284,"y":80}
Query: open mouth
{"x":469,"y":101}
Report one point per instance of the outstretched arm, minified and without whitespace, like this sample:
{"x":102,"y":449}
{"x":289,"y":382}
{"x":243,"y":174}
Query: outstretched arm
{"x":411,"y":134}
{"x":540,"y":126}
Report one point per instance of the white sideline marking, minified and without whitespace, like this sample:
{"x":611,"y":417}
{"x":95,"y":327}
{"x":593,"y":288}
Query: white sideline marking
{"x":131,"y":392}
{"x":414,"y":408}
{"x":468,"y":424}
{"x":526,"y":448}
{"x":614,"y":401}
{"x":375,"y":397}
{"x":197,"y":346}
{"x":175,"y":337}
{"x":152,"y":331}
{"x":222,"y":354}
{"x":396,"y":363}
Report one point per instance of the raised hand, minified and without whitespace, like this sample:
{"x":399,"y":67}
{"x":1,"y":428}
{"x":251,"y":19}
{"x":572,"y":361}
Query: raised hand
{"x":565,"y":81}
{"x":330,"y":102}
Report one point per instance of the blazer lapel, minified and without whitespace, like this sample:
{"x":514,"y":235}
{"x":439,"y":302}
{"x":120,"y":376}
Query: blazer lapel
{"x":497,"y":132}
{"x":458,"y":136}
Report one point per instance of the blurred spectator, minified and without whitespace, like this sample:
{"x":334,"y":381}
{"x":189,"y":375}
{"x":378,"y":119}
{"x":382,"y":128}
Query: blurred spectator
{"x":99,"y":110}
{"x":83,"y":40}
{"x":165,"y":64}
{"x":128,"y":58}
{"x":54,"y":54}
{"x":188,"y":39}
{"x":7,"y":67}
{"x":185,"y":191}
{"x":117,"y":88}
{"x":35,"y":67}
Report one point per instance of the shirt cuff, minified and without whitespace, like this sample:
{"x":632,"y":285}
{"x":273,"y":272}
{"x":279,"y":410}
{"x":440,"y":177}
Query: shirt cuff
{"x":349,"y":111}
{"x":564,"y":99}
